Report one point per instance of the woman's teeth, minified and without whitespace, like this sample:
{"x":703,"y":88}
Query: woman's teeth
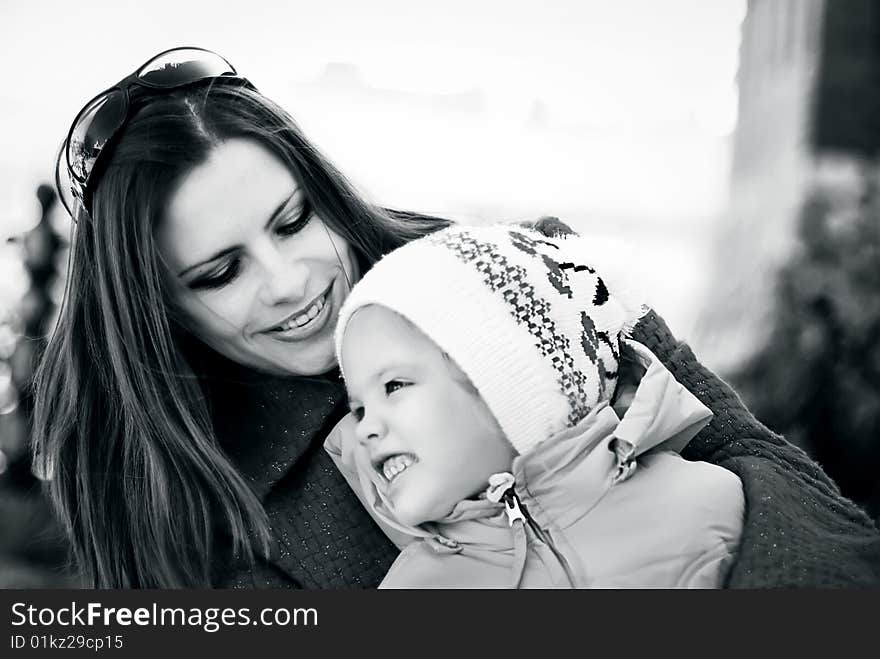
{"x":306,"y":316}
{"x":395,"y":465}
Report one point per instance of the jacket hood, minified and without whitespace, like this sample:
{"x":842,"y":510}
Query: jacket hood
{"x":662,"y":415}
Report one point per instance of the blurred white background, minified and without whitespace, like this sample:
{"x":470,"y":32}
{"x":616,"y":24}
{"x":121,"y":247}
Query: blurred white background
{"x":616,"y":117}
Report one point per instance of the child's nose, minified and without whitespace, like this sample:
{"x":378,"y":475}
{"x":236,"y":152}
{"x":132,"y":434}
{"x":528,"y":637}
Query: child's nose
{"x":370,"y":427}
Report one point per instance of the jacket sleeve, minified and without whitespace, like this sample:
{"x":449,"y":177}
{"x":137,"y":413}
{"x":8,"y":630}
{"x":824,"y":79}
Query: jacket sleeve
{"x":549,"y":226}
{"x":798,"y":529}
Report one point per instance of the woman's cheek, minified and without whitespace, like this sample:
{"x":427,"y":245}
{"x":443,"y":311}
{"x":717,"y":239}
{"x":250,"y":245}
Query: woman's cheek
{"x":352,"y":269}
{"x":227,"y":309}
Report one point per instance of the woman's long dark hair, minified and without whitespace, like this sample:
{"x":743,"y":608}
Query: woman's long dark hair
{"x":122,"y":427}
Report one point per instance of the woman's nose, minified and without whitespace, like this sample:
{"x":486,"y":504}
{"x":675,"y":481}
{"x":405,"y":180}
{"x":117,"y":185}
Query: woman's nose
{"x":285,"y":280}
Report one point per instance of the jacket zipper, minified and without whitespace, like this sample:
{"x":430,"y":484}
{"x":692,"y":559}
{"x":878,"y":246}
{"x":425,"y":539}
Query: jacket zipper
{"x":517,"y":512}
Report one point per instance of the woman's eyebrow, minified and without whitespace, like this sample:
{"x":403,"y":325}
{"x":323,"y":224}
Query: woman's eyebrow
{"x":280,"y":208}
{"x":272,"y":217}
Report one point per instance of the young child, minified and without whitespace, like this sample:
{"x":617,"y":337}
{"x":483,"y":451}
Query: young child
{"x":486,"y":437}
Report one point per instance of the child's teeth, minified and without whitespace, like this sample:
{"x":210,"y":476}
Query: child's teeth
{"x":395,"y":465}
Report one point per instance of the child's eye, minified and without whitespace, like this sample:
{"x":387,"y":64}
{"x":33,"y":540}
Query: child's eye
{"x":393,"y":385}
{"x":358,"y":412}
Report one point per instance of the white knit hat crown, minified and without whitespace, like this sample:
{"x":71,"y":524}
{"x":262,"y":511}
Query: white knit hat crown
{"x":527,"y":318}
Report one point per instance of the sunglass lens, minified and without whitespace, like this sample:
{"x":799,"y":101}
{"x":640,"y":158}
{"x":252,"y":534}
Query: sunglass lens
{"x":183,"y":66}
{"x":63,"y":183}
{"x":96,"y":125}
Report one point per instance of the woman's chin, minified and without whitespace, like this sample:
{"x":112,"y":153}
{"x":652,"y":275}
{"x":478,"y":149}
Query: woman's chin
{"x":287,"y":361}
{"x":313,"y":366}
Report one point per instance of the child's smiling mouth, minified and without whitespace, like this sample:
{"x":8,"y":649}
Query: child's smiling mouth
{"x":394,"y":465}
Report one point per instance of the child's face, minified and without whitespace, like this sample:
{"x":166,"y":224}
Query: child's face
{"x":430,"y":437}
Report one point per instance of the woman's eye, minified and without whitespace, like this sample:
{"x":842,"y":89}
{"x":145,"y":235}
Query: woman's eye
{"x":216,"y":279}
{"x":393,"y":385}
{"x":296,"y":224}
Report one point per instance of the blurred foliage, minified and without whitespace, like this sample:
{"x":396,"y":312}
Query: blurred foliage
{"x":817,"y":379}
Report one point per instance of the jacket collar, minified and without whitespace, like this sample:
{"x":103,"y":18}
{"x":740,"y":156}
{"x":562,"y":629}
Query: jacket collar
{"x":663,"y":410}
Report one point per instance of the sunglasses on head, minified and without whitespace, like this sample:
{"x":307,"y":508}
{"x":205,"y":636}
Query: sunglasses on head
{"x":103,"y":117}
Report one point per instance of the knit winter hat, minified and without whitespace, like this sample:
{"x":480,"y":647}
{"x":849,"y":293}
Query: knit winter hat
{"x":527,"y":318}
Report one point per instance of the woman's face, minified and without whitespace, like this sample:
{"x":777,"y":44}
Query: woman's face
{"x":259,"y":277}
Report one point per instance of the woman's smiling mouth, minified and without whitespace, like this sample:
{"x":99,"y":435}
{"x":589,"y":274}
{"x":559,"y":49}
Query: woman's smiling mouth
{"x":303,"y":319}
{"x":305,"y":322}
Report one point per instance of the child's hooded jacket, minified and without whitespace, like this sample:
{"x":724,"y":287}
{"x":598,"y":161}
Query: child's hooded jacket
{"x":590,"y":520}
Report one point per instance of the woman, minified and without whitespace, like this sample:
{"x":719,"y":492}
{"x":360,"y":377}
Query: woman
{"x":186,"y":392}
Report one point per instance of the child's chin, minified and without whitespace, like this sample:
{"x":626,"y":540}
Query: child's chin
{"x":412,"y":514}
{"x":411,"y":519}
